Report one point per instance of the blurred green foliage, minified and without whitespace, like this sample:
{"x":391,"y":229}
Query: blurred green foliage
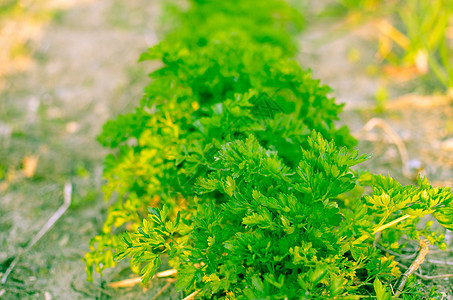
{"x":418,"y":34}
{"x":428,"y":26}
{"x":8,"y":6}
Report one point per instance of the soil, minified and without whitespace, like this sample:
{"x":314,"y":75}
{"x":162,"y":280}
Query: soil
{"x":81,"y":71}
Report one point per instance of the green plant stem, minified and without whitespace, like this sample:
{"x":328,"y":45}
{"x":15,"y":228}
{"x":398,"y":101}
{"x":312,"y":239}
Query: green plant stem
{"x":379,"y":229}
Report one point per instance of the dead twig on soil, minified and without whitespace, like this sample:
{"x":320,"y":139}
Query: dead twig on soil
{"x":44,"y":229}
{"x":137,"y":280}
{"x":426,"y":277}
{"x":90,"y":290}
{"x":394,"y":137}
{"x":405,"y":257}
{"x":423,"y":251}
{"x":439,"y":262}
{"x":166,"y":286}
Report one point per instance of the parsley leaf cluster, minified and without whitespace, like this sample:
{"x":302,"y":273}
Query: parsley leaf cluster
{"x":234,"y":171}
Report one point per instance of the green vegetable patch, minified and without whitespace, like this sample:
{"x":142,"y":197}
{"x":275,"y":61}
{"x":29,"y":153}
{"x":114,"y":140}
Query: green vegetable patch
{"x":233,"y":171}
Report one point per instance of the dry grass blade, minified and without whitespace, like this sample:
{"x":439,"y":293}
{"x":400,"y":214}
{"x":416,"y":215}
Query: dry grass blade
{"x":44,"y":229}
{"x":390,"y":31}
{"x":167,"y":273}
{"x":394,"y":137}
{"x":126,"y":282}
{"x":439,"y":262}
{"x":191,"y":296}
{"x":137,"y":280}
{"x":412,"y":101}
{"x":30,"y":163}
{"x":424,"y":277}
